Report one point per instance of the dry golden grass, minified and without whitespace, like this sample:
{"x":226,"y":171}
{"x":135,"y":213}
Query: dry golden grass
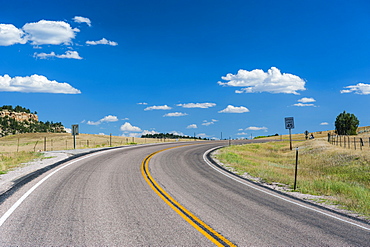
{"x":18,"y":149}
{"x":323,"y":169}
{"x":33,"y":142}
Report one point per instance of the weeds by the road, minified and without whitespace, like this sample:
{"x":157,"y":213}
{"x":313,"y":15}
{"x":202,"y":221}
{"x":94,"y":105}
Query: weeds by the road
{"x":323,"y":169}
{"x":22,"y":148}
{"x":9,"y":161}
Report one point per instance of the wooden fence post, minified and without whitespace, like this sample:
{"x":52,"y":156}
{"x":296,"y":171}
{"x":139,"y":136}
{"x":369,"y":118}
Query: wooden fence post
{"x":349,"y":143}
{"x":34,"y":148}
{"x":354,"y":142}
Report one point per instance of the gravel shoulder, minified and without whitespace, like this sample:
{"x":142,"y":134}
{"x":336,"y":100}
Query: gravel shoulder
{"x":10,"y":179}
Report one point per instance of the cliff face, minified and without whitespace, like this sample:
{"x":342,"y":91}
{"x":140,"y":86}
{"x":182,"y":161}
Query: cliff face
{"x":19,"y":116}
{"x":21,"y":120}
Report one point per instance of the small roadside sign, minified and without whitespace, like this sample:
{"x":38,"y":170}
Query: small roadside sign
{"x":75,"y":129}
{"x":289,"y":123}
{"x":74,"y":133}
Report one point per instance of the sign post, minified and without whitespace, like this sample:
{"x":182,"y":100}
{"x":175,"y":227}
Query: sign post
{"x":74,"y":133}
{"x":289,"y":124}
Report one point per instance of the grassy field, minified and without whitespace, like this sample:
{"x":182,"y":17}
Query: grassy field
{"x":323,"y":169}
{"x":22,"y":148}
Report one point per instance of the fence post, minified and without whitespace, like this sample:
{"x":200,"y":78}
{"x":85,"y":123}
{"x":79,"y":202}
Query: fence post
{"x":349,"y":143}
{"x":34,"y":148}
{"x":296,"y":169}
{"x":344,"y":141}
{"x":354,"y":142}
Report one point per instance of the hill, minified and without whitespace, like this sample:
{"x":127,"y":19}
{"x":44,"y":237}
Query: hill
{"x":20,"y":120}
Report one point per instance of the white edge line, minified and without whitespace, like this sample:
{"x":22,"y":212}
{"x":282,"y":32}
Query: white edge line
{"x":20,"y":200}
{"x":272,"y":194}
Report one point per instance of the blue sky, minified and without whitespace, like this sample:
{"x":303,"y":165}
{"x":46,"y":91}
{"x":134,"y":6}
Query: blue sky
{"x":188,"y":67}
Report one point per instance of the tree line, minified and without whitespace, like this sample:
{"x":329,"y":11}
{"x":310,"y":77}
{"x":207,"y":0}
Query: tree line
{"x":170,"y":136}
{"x":16,"y":109}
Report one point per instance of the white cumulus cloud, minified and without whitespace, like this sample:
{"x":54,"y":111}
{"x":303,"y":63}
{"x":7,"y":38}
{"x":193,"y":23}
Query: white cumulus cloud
{"x":127,"y":127}
{"x":108,"y":118}
{"x":10,"y":35}
{"x":206,"y":123}
{"x":242,"y":134}
{"x":256,"y":128}
{"x":304,"y":102}
{"x":175,"y":114}
{"x":68,"y":54}
{"x":35,"y":84}
{"x":159,"y":107}
{"x":103,"y":41}
{"x":50,"y":32}
{"x":272,"y":81}
{"x":197,"y":105}
{"x":324,"y":123}
{"x":80,"y":19}
{"x":303,"y":105}
{"x":149,"y":132}
{"x":192,"y":126}
{"x":307,"y":100}
{"x":360,"y":88}
{"x":234,"y":109}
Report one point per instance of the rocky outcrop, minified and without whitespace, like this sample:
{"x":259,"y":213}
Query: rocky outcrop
{"x":19,"y":116}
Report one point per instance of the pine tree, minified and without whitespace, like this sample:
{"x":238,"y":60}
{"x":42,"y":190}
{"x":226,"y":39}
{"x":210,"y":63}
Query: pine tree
{"x":346,"y":124}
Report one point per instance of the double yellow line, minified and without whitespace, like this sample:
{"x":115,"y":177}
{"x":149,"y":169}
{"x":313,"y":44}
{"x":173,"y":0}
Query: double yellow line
{"x":203,"y":228}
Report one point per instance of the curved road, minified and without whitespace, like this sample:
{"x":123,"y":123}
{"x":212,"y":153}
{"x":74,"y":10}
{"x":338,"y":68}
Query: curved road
{"x":103,"y":200}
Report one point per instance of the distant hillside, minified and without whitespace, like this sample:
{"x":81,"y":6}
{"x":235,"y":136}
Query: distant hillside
{"x":20,"y":120}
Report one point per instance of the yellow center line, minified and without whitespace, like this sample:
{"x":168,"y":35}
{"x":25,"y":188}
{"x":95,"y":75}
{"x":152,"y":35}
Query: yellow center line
{"x":202,"y":227}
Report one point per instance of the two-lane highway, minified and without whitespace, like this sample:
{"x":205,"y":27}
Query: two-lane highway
{"x":103,"y":199}
{"x":247,"y":214}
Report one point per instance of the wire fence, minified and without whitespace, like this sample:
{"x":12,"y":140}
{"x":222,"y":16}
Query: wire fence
{"x":54,"y":142}
{"x":350,"y":142}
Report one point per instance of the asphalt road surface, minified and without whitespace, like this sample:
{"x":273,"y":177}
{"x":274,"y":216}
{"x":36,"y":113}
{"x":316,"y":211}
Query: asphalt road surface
{"x":104,"y":199}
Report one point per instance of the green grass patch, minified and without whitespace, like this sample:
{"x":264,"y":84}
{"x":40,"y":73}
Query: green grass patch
{"x":9,"y":161}
{"x":323,"y":169}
